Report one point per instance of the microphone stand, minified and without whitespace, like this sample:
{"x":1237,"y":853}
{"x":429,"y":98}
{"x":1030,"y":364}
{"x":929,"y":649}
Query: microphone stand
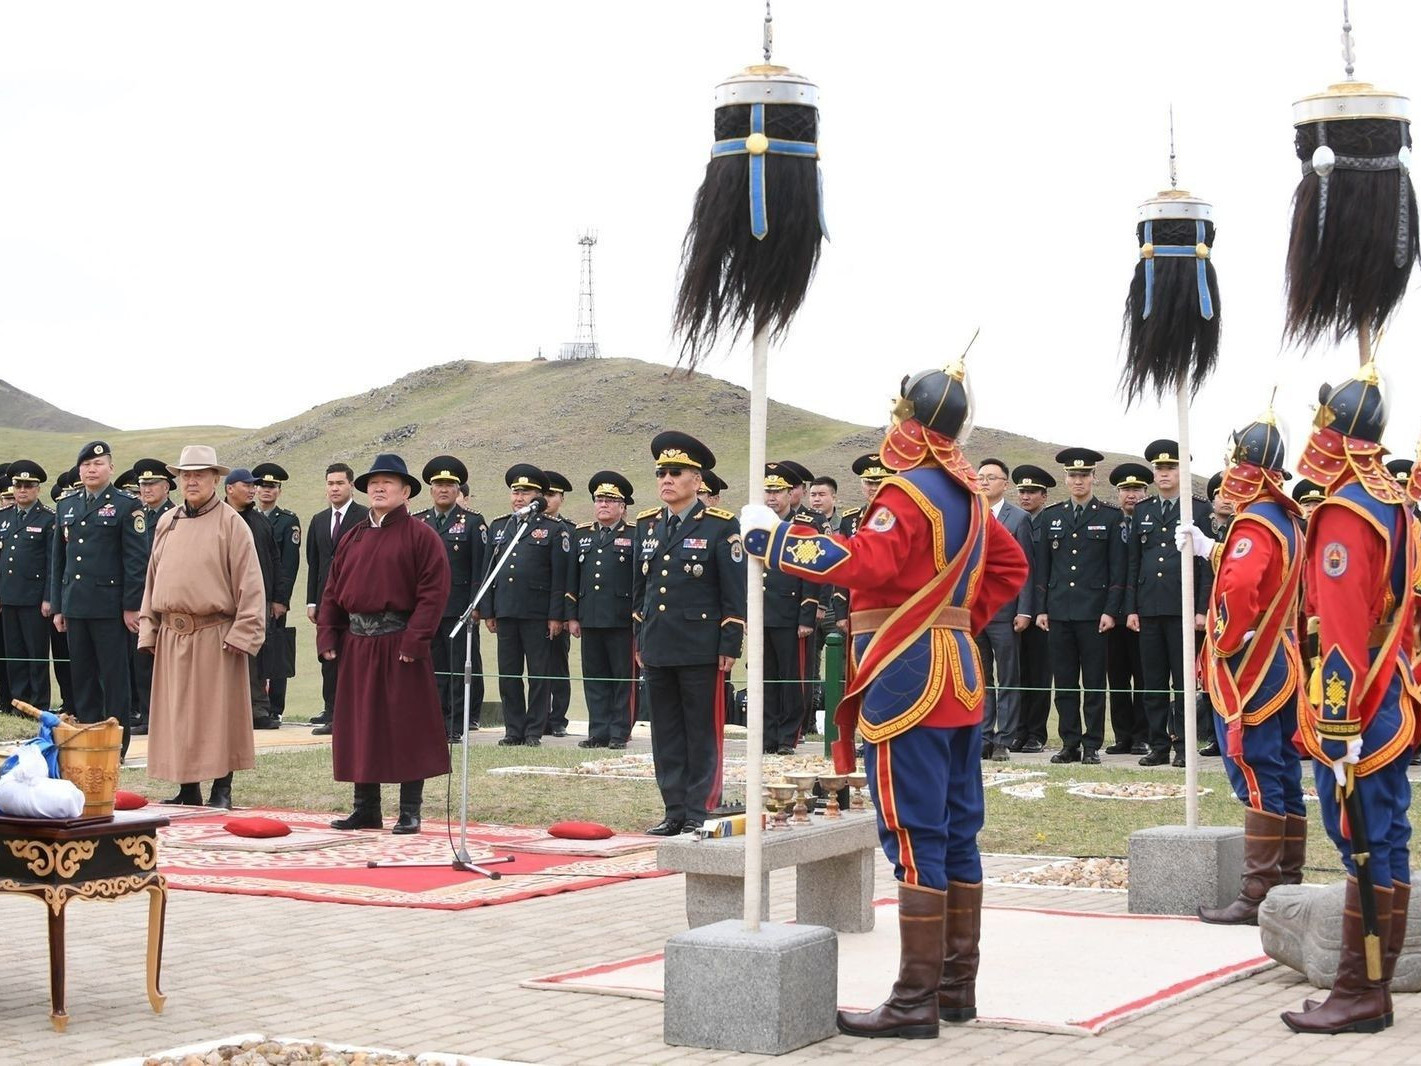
{"x":462,"y":860}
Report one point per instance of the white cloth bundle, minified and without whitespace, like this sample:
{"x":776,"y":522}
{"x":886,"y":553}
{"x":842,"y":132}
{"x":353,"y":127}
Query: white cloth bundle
{"x":28,"y":791}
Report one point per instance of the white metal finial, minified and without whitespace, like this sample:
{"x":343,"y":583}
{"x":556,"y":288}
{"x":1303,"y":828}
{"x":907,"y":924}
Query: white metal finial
{"x":1349,"y":55}
{"x":769,"y":33}
{"x":1173,"y":173}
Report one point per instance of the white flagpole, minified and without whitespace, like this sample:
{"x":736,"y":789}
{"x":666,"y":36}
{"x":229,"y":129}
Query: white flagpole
{"x":755,"y":635}
{"x":1186,"y":595}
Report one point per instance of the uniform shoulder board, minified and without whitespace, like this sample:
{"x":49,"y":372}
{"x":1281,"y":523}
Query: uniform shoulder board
{"x":851,"y":512}
{"x":1055,"y":506}
{"x":584,"y":525}
{"x":501,"y":517}
{"x":717,"y":512}
{"x":650,"y":511}
{"x":421,"y":514}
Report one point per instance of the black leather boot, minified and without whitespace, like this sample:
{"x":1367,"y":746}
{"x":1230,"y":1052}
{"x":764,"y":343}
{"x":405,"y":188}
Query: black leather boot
{"x":366,"y":814}
{"x":189,"y":795}
{"x":221,"y":795}
{"x":411,"y":800}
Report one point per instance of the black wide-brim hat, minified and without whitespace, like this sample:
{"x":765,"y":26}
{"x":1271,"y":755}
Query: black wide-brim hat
{"x":152,"y":470}
{"x":674,"y":448}
{"x":445,"y":468}
{"x":27,"y":470}
{"x":609,"y":483}
{"x":525,"y":476}
{"x":388,"y":463}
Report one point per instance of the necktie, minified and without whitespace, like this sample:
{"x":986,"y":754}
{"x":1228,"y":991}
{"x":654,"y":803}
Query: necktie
{"x":1078,"y":512}
{"x":1169,"y":506}
{"x":335,"y":527}
{"x":672,"y":524}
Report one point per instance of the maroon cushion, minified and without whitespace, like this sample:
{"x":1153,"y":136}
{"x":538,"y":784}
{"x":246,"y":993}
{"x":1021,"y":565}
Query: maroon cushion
{"x":256,"y":827}
{"x":580,"y":831}
{"x":128,"y":801}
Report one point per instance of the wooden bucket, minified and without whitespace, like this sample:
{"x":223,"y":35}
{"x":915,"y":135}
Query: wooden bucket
{"x":89,"y":756}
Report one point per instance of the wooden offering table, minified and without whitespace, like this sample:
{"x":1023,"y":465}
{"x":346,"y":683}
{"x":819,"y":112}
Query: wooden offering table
{"x":86,"y":858}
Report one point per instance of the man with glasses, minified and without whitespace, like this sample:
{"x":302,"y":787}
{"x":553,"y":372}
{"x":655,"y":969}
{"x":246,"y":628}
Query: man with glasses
{"x":998,"y":642}
{"x":1031,"y":485}
{"x":688,"y":610}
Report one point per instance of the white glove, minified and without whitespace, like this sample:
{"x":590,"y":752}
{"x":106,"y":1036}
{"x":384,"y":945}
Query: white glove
{"x":1190,"y":536}
{"x":1354,"y":753}
{"x":758,"y":516}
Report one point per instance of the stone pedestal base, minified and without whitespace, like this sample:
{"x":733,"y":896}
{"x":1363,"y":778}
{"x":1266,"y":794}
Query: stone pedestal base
{"x":767,"y":992}
{"x":1175,"y":870}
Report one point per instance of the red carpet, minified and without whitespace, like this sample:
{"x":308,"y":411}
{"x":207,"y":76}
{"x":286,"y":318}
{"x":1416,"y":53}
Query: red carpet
{"x":316,"y":863}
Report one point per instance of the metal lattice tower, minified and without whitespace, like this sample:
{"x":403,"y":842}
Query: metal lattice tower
{"x":585,"y":346}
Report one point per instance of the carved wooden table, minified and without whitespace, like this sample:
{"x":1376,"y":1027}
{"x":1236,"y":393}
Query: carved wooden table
{"x":96,"y":858}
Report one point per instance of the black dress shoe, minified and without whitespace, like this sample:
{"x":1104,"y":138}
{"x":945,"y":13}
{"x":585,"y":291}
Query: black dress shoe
{"x":590,"y":743}
{"x":987,"y":748}
{"x":510,"y":742}
{"x":267,"y":723}
{"x":784,"y":749}
{"x":323,"y":718}
{"x":406,"y":823}
{"x":667,"y":827}
{"x":690,"y":826}
{"x":454,"y":738}
{"x":1067,"y":755}
{"x":1090,"y":758}
{"x":1155,"y":758}
{"x":1017,"y":746}
{"x":139,"y":729}
{"x":533,"y":742}
{"x":1178,"y":761}
{"x":558,"y":733}
{"x":1119,"y":749}
{"x":322,"y":730}
{"x":1210,"y":749}
{"x":1032,"y":747}
{"x":1139,"y":749}
{"x":618,"y":745}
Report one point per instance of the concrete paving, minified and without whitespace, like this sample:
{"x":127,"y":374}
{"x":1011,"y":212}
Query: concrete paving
{"x":435,"y":981}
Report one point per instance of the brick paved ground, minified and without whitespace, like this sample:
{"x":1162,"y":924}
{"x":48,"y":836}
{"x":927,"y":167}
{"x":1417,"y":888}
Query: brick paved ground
{"x":426,"y":980}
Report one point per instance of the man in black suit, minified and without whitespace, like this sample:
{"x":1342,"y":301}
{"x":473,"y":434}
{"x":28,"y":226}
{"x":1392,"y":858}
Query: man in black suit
{"x":791,"y":605}
{"x":599,"y":610}
{"x":465,"y":537}
{"x":322,"y":537}
{"x":560,"y":685}
{"x":999,"y":642}
{"x":1080,"y":577}
{"x":241,"y":494}
{"x":1031,"y":485}
{"x":1152,"y":601}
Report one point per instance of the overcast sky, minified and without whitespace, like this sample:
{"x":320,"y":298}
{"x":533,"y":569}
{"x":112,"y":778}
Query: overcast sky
{"x":270,"y":204}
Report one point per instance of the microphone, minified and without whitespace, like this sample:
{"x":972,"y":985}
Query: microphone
{"x":535,"y":506}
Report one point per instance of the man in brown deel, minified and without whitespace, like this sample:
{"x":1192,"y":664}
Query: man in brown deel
{"x":203,"y":617}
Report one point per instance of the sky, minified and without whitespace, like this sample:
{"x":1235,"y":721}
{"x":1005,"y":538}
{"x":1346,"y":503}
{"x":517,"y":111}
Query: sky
{"x":266,"y":205}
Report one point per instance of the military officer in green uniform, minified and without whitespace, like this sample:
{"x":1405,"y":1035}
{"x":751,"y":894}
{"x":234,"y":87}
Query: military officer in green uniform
{"x":599,"y":610}
{"x":689,"y":613}
{"x":465,"y":536}
{"x":97,"y":568}
{"x":712,"y":485}
{"x":154,"y":486}
{"x":280,"y":658}
{"x":26,"y":539}
{"x":791,"y":609}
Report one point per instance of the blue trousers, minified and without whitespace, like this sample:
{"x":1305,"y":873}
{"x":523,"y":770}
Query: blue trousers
{"x":926,"y":786}
{"x":1268,"y":776}
{"x":1386,"y":797}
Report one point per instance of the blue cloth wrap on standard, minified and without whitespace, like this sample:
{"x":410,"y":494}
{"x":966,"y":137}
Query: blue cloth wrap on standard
{"x":1178,"y":251}
{"x":759,"y":220}
{"x":45,"y":740}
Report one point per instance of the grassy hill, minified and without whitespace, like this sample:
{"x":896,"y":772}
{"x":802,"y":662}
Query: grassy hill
{"x":21,"y":410}
{"x":575,"y":417}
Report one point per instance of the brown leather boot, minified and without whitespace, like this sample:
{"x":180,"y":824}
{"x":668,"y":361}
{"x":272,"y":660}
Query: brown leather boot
{"x":962,"y":930}
{"x":1262,"y":850}
{"x":1356,"y":1004}
{"x":1396,"y":937}
{"x":1295,"y":847}
{"x":911,"y":1008}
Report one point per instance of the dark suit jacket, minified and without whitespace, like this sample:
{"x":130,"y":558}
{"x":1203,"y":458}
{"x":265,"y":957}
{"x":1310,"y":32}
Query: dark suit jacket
{"x":1153,"y":580}
{"x":320,"y":551}
{"x":99,"y":555}
{"x":1018,"y":524}
{"x":1080,"y":563}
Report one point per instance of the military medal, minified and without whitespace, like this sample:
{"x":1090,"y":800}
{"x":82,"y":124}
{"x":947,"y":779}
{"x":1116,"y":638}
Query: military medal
{"x":697,"y":570}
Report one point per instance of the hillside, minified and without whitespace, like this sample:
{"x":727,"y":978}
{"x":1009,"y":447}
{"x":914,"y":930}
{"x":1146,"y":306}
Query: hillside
{"x":574,"y":417}
{"x":20,"y":410}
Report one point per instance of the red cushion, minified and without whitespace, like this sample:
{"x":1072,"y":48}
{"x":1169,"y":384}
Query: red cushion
{"x":128,"y":801}
{"x":580,"y":831}
{"x":256,"y":827}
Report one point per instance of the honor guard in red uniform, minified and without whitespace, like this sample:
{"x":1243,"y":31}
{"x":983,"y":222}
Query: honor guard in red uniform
{"x":928,"y":568}
{"x":1251,"y":666}
{"x":1361,"y":567}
